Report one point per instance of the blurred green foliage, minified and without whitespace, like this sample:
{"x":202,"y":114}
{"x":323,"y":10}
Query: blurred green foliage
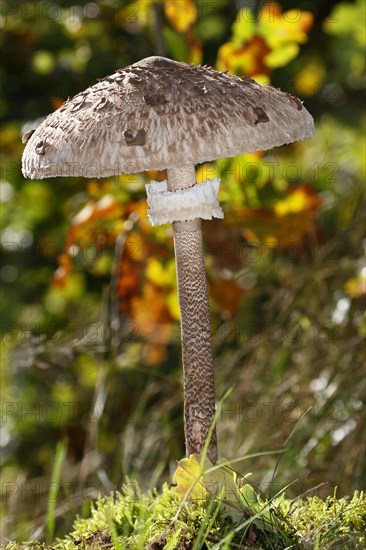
{"x":90,"y":345}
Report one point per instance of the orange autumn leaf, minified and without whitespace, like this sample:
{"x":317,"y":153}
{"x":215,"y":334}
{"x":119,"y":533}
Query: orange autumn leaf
{"x":104,"y":208}
{"x":156,"y":175}
{"x":223,"y":242}
{"x":227,"y":294}
{"x":152,"y":321}
{"x":61,"y":273}
{"x":57,"y":102}
{"x":154,"y":354}
{"x":128,"y":286}
{"x":292,"y":229}
{"x":294,"y":221}
{"x":95,"y":226}
{"x":130,"y":272}
{"x":141,"y":269}
{"x":195,"y":52}
{"x":248,"y":59}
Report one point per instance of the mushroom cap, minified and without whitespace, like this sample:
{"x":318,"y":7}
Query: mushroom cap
{"x":157,"y":114}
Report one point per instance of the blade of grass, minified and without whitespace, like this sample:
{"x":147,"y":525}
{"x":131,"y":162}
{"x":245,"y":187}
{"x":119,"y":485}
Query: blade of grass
{"x":227,"y":463}
{"x":206,"y":525}
{"x":293,"y":431}
{"x":212,"y":427}
{"x":60,"y":455}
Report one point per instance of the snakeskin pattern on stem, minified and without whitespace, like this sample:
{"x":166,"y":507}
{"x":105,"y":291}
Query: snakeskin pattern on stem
{"x":199,"y":384}
{"x":199,"y":388}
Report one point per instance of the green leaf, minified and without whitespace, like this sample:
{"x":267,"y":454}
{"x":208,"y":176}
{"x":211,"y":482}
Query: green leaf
{"x":249,"y":497}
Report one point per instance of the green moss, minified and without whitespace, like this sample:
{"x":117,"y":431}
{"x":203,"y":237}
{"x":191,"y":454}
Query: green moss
{"x":326,"y":523}
{"x":130,"y":520}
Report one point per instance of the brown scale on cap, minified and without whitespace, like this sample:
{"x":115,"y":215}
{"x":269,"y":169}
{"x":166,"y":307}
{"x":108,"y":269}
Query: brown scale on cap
{"x":189,"y":113}
{"x":27,"y":135}
{"x":295,"y":101}
{"x":138,"y":139}
{"x":41,"y":147}
{"x":261,"y":115}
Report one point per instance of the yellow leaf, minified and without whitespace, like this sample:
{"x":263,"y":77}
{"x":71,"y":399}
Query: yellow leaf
{"x":243,"y":27}
{"x":181,"y":13}
{"x":200,"y":482}
{"x":159,"y":274}
{"x":43,"y":62}
{"x":281,"y":56}
{"x":206,"y":171}
{"x":188,"y":477}
{"x":271,"y":241}
{"x":356,"y":286}
{"x":173,"y":305}
{"x":250,"y":236}
{"x":195,"y":53}
{"x":280,"y":28}
{"x":310,"y":79}
{"x":134,"y":249}
{"x":296,"y":202}
{"x":261,"y":78}
{"x":133,"y":13}
{"x":270,"y":40}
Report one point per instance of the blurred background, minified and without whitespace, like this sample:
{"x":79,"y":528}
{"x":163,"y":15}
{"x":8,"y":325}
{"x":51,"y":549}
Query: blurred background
{"x":91,"y":369}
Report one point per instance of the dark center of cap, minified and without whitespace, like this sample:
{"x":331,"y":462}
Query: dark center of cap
{"x":156,"y":61}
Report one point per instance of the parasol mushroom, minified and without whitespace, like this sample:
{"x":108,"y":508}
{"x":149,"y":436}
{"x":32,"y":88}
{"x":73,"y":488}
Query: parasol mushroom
{"x":157,"y":114}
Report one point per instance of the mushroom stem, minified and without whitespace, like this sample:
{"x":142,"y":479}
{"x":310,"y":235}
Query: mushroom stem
{"x":198,"y":371}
